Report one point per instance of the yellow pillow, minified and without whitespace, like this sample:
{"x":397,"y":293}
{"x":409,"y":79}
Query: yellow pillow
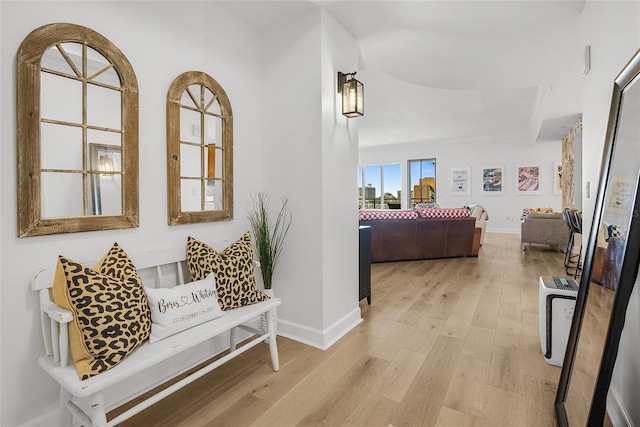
{"x":233,"y":267}
{"x":109,"y":306}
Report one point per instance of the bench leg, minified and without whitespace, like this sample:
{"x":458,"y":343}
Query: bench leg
{"x":273,"y":347}
{"x":233,"y":339}
{"x":65,"y":415}
{"x":97,"y":414}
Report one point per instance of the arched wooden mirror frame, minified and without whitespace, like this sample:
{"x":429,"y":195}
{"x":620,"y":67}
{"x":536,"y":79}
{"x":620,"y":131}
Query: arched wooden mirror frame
{"x":224,"y":177}
{"x":28,"y":134}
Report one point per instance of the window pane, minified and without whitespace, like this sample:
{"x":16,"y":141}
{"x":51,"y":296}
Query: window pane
{"x":105,"y":191}
{"x":62,"y":195}
{"x":190,"y":126}
{"x":391,"y":185}
{"x":60,"y":147}
{"x":373,"y":185}
{"x":360,"y":181}
{"x":422,"y":181}
{"x":103,"y":107}
{"x":190,"y":161}
{"x":190,"y":195}
{"x":61,"y":98}
{"x":213,"y":199}
{"x":52,"y":59}
{"x":96,"y":63}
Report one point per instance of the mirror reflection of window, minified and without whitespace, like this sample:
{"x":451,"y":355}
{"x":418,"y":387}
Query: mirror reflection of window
{"x":199,"y":145}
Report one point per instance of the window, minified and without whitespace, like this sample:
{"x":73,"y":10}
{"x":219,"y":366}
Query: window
{"x":422,"y":181}
{"x":379,"y":186}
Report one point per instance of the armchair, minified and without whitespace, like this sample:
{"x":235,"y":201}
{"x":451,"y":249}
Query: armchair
{"x":546,"y":229}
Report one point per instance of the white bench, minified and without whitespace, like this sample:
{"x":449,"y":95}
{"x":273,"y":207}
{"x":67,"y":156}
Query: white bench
{"x":85,"y":400}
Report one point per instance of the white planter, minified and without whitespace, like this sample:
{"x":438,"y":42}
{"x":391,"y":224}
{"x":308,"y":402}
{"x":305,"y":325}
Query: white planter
{"x":274,"y":316}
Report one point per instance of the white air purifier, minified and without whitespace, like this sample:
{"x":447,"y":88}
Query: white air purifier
{"x":555,"y":312}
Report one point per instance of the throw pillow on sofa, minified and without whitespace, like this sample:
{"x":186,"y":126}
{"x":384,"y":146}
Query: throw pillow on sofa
{"x":444,"y":212}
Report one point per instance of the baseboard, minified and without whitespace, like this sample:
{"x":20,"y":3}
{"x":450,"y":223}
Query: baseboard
{"x":616,"y":411}
{"x":503,"y":230}
{"x":48,"y":419}
{"x":322,"y":339}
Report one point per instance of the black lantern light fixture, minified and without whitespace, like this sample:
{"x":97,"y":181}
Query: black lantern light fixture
{"x":352,"y":95}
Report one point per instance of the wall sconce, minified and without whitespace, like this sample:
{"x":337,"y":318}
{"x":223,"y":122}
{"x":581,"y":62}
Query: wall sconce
{"x":352,"y":95}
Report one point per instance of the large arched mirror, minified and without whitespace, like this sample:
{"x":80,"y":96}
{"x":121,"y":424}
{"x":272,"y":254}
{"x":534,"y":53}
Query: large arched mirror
{"x":199,"y":150}
{"x":77,"y":133}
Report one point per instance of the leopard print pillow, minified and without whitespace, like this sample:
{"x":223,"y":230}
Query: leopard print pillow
{"x":233,"y":267}
{"x":110,"y":308}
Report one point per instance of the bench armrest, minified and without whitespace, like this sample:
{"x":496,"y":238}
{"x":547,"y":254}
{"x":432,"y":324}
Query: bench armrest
{"x":57,"y":313}
{"x":56,"y":330}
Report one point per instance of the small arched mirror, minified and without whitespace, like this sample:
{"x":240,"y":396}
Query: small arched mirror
{"x":77,"y":133}
{"x":199,"y":150}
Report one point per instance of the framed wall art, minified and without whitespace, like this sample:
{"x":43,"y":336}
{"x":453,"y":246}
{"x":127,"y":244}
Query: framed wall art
{"x":528,"y":180}
{"x":460,"y":181}
{"x":492,"y":180}
{"x":557,"y":178}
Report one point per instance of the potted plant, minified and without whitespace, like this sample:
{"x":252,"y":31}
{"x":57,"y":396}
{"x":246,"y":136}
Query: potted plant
{"x":270,"y":229}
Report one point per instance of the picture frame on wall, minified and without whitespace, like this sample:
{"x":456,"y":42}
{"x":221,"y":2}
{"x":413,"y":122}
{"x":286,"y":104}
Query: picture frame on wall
{"x":557,"y":178}
{"x":493,"y":180}
{"x":460,"y":182}
{"x":528,"y":179}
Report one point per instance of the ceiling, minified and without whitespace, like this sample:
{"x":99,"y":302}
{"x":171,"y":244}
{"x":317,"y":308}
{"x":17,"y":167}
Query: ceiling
{"x":456,"y":71}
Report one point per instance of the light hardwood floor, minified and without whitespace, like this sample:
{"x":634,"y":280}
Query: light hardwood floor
{"x":450,"y":342}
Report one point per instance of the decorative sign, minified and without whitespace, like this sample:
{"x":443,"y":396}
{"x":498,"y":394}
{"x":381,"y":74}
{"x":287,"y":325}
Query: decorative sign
{"x":461,"y":181}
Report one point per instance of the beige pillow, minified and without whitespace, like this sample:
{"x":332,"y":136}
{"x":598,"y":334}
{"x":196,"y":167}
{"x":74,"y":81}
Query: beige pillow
{"x":179,"y":308}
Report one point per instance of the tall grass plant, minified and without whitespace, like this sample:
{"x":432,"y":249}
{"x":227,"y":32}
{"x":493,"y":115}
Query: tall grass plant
{"x":270,"y":229}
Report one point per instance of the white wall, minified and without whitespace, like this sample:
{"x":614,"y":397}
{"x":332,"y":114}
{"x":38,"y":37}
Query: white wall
{"x":179,"y":38}
{"x":292,"y":126}
{"x":504,"y":210}
{"x":339,"y":162}
{"x":3,"y":77}
{"x":611,"y":50}
{"x":307,"y":153}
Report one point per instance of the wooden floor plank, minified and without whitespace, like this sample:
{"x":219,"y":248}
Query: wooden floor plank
{"x":467,"y":386}
{"x":372,"y":411}
{"x":397,"y":378}
{"x":421,"y":405}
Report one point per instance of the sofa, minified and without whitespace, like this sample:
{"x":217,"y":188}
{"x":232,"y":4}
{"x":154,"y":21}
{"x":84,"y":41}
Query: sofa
{"x":481,"y":216}
{"x":545,"y":229}
{"x":403,"y":235}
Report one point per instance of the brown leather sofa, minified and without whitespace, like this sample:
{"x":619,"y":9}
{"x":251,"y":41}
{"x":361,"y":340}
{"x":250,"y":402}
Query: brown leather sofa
{"x":421,"y":238}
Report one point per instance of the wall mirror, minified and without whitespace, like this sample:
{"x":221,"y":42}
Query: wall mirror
{"x":77,"y":133}
{"x":610,"y":265}
{"x":199,"y":150}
